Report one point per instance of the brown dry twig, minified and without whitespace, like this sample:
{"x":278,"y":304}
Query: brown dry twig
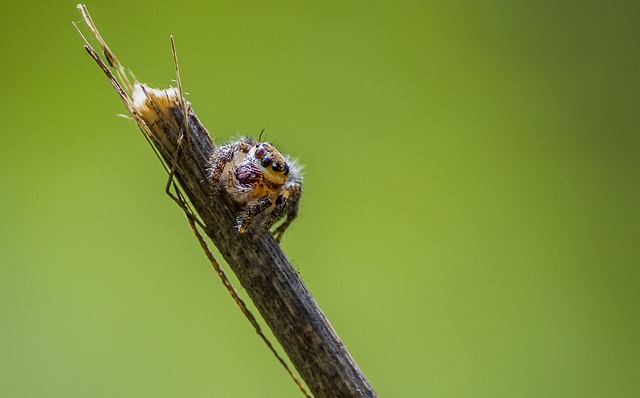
{"x":285,"y":303}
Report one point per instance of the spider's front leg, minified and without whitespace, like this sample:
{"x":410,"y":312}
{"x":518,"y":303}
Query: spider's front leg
{"x":253,"y":209}
{"x":290,"y":201}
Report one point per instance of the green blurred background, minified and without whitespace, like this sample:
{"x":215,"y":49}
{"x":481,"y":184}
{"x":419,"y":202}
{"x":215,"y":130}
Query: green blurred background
{"x":470,"y":223}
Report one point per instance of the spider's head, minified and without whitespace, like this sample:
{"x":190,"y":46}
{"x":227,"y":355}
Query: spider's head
{"x":273,"y":165}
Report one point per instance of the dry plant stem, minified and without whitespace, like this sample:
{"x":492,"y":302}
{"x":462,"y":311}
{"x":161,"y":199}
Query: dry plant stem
{"x":260,"y":265}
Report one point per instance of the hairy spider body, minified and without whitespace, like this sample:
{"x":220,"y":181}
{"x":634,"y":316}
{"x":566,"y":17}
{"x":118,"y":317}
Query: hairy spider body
{"x":265,"y":184}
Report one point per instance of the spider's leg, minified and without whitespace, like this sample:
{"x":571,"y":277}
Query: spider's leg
{"x":252,"y":210}
{"x":292,"y":202}
{"x":220,"y":158}
{"x":276,"y":213}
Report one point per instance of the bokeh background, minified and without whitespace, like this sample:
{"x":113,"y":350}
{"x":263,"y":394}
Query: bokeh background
{"x":470,"y":222}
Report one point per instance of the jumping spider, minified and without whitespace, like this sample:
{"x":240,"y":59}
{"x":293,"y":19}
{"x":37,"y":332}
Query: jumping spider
{"x":265,"y":184}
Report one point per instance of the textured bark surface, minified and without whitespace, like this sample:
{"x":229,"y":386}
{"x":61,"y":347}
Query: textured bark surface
{"x":261,"y":266}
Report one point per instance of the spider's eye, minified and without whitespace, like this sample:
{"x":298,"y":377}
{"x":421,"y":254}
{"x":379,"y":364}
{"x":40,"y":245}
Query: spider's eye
{"x":286,"y":169}
{"x":266,"y":162}
{"x":259,"y":153}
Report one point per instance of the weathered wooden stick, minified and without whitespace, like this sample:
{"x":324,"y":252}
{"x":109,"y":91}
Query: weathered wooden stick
{"x":262,"y":268}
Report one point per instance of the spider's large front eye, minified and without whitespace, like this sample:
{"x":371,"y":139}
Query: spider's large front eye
{"x":266,"y":162}
{"x":259,"y":153}
{"x":281,"y":168}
